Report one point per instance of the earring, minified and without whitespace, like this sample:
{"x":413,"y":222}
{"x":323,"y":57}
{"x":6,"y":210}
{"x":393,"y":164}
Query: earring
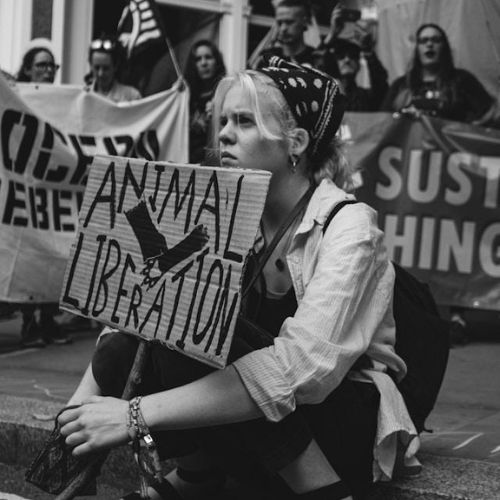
{"x":293,"y":161}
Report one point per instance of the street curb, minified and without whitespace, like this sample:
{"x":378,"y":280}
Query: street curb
{"x":26,"y":423}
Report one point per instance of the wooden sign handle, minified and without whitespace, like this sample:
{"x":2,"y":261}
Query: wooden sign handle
{"x":90,"y":471}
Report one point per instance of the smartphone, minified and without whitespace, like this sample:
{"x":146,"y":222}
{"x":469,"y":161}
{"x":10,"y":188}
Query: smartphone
{"x":351,"y":15}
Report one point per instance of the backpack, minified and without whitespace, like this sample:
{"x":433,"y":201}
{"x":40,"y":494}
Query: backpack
{"x":422,"y":340}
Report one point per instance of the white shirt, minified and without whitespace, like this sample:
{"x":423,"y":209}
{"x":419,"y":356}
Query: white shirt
{"x":344,"y":285}
{"x":118,"y":92}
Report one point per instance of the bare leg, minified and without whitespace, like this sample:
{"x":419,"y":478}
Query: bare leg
{"x":310,"y":471}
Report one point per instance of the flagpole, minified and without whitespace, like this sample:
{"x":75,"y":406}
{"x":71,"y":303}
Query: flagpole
{"x":174,"y":59}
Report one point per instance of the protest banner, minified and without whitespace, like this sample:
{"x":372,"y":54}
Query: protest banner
{"x":436,"y":186}
{"x":49,"y":135}
{"x":161,"y":248}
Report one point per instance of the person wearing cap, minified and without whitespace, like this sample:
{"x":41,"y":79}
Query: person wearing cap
{"x":105,"y":58}
{"x":343,"y":47}
{"x":305,"y":404}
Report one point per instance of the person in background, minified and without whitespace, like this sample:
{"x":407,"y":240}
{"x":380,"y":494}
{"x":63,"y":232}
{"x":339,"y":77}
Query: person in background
{"x":307,"y":401}
{"x":343,"y":47}
{"x":105,"y":57}
{"x":39,"y":66}
{"x":204,"y":69}
{"x":292,"y":18}
{"x":434,"y":86}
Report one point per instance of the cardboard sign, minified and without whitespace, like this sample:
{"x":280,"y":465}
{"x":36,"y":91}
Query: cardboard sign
{"x":161,"y":248}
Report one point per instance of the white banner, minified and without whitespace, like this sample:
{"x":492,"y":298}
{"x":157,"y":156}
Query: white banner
{"x":49,"y":135}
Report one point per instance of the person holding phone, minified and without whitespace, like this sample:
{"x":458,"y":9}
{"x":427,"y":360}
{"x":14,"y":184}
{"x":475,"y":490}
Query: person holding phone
{"x":347,"y":42}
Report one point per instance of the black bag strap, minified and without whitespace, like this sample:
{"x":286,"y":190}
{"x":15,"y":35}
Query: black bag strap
{"x":335,"y":211}
{"x":301,"y":204}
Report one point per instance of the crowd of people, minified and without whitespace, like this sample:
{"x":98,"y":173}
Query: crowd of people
{"x":308,"y":406}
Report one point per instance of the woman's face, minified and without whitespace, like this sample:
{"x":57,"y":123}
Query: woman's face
{"x":103,"y":69}
{"x":429,"y":46}
{"x":205,"y":62}
{"x":43,"y":69}
{"x":241,"y":142}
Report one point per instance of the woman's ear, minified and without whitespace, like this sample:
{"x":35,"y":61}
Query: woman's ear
{"x":299,"y":140}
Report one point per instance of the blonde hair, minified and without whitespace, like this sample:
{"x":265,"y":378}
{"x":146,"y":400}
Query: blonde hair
{"x":332,"y":164}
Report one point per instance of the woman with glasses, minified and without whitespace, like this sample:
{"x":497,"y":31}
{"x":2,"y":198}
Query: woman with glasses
{"x":105,"y":58}
{"x":433,"y":85}
{"x":38,"y":66}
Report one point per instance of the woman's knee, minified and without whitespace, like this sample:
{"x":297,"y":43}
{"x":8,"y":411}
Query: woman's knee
{"x":112,"y":361}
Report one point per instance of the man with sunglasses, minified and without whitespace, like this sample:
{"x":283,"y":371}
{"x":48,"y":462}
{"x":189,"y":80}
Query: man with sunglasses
{"x":105,"y":58}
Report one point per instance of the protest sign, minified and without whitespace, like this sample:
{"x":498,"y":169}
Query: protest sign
{"x":49,"y":135}
{"x":161,"y":248}
{"x":436,"y":186}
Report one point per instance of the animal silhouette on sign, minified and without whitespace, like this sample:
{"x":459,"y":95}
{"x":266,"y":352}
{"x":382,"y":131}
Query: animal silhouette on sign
{"x":154,"y":246}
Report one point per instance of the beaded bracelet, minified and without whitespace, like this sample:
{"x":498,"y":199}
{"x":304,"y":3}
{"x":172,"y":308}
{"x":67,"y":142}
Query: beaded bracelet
{"x":139,"y":431}
{"x":136,"y":421}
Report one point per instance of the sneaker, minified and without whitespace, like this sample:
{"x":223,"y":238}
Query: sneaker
{"x":31,"y":334}
{"x":79,"y":323}
{"x":52,"y":333}
{"x":458,"y":330}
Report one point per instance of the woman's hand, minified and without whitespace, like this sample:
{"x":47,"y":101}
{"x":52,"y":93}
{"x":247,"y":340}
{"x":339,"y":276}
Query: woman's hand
{"x":99,"y":423}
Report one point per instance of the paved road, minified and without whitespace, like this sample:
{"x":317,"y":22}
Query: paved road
{"x":12,"y":480}
{"x":466,"y":420}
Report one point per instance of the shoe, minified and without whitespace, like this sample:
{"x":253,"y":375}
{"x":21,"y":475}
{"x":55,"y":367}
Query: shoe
{"x":31,"y":334}
{"x":458,"y":331}
{"x":79,"y":323}
{"x":213,"y":482}
{"x":7,"y":310}
{"x":164,"y":490}
{"x":335,"y":491}
{"x":52,"y":333}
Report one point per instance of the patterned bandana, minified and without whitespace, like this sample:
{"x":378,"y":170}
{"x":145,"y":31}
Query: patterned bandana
{"x":313,"y":96}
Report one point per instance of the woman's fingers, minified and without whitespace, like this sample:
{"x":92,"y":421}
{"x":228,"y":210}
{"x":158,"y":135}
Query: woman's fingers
{"x":68,"y":415}
{"x":71,"y":427}
{"x":82,"y":450}
{"x":76,"y":438}
{"x":99,"y":423}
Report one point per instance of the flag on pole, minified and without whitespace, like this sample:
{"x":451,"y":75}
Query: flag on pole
{"x":141,"y":32}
